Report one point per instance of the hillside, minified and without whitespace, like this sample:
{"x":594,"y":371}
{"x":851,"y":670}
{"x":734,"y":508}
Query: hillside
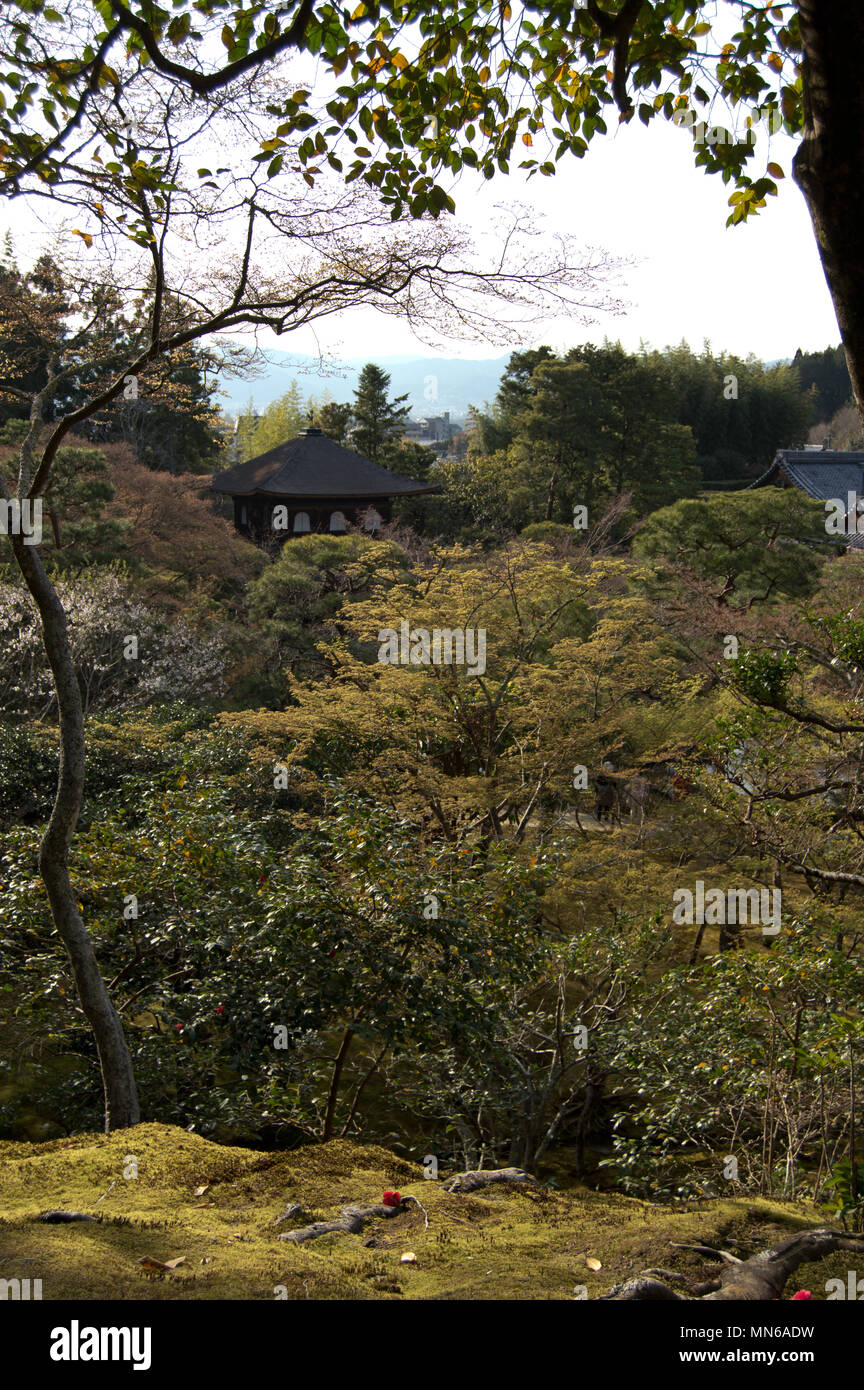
{"x":458,"y":381}
{"x":216,"y":1207}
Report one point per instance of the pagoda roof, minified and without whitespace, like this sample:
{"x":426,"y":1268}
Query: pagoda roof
{"x":312,"y":465}
{"x":822,"y":473}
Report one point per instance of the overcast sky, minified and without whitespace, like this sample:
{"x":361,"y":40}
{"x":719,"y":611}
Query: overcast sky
{"x":755,"y":288}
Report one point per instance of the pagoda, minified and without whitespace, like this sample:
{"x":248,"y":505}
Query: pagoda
{"x":311,"y":483}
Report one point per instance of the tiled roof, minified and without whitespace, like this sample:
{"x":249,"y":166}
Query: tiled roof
{"x":314,"y":466}
{"x":822,"y":474}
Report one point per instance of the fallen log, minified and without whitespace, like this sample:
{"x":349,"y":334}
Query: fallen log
{"x":761,"y":1278}
{"x":481,"y":1177}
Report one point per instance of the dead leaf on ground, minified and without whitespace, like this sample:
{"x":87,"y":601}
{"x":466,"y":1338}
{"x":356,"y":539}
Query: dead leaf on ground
{"x":199,"y":1191}
{"x":593,"y":1263}
{"x":147,"y":1262}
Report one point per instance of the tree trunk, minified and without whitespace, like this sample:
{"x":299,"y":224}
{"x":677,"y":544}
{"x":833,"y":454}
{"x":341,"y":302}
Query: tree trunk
{"x":335,"y":1078}
{"x":553,"y":484}
{"x":829,"y":165}
{"x":121,"y":1100}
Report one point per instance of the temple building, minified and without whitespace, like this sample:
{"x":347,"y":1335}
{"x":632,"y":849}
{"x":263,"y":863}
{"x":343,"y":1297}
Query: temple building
{"x":827,"y":475}
{"x":311,"y":483}
{"x":821,"y":473}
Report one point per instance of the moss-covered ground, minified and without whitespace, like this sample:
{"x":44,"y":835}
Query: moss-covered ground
{"x":502,"y":1243}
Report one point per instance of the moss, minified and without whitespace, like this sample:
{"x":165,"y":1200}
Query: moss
{"x":503,"y":1244}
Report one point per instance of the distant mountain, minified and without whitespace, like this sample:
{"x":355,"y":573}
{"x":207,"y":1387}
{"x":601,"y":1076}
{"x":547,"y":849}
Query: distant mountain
{"x":433,"y":384}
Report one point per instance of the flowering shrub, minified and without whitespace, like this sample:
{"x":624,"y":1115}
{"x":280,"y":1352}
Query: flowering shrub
{"x":173,"y":659}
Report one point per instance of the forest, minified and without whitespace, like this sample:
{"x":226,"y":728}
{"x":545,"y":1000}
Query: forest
{"x":564,"y":936}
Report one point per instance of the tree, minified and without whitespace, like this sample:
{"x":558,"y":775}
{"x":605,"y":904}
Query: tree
{"x":79,"y":532}
{"x":583,"y":429}
{"x":604,"y":417}
{"x":496,"y":428}
{"x":282,"y":419}
{"x":181,"y":661}
{"x":173,"y":425}
{"x":740,"y":411}
{"x":142,"y":198}
{"x":170,"y":416}
{"x":376,"y":419}
{"x":567,"y":675}
{"x":299,"y":598}
{"x":424,"y":97}
{"x":747,"y":546}
{"x":825,"y":375}
{"x":22,"y":358}
{"x":335,"y":420}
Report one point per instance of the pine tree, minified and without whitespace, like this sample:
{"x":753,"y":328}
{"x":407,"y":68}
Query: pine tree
{"x":334,"y":418}
{"x":375,"y":417}
{"x":283,"y":419}
{"x":244,"y":432}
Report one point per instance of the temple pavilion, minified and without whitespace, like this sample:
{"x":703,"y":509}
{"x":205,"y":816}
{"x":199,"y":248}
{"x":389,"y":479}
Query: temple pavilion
{"x":311,"y":483}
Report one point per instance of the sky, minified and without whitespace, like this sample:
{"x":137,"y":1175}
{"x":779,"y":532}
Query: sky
{"x":754,"y":288}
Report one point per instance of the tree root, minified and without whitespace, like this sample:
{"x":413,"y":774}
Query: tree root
{"x":761,"y":1278}
{"x":351,"y":1222}
{"x":353,"y":1218}
{"x":696,"y":1290}
{"x":481,"y":1177}
{"x":709,"y":1251}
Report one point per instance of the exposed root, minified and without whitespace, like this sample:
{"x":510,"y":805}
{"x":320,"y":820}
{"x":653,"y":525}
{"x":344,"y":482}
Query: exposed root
{"x":709,"y":1251}
{"x":481,"y":1177}
{"x":759,"y":1279}
{"x":695,"y":1290}
{"x":351,"y":1222}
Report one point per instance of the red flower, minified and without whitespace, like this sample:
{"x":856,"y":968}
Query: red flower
{"x":179,"y":1027}
{"x":802,"y":1293}
{"x":391,"y":1199}
{"x":221,"y":1009}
